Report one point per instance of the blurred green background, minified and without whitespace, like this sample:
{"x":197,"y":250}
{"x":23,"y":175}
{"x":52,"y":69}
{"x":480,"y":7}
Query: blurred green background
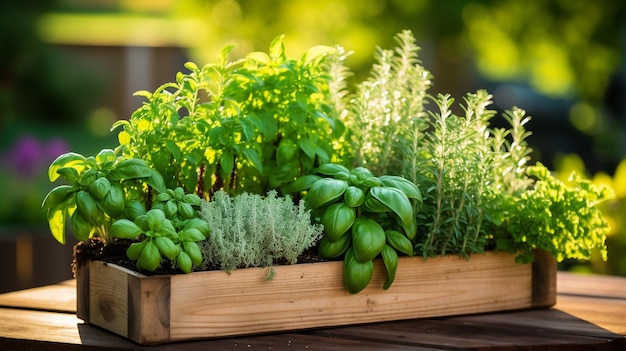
{"x":68,"y":69}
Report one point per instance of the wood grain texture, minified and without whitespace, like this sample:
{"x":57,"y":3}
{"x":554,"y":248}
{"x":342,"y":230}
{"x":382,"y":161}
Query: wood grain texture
{"x":108,"y":297}
{"x":589,"y":315}
{"x":216,"y":304}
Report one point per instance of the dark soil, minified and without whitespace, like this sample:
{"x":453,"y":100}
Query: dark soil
{"x":115,"y":252}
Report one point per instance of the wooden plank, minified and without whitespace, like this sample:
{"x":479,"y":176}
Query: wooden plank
{"x":544,"y":279}
{"x":58,"y":297}
{"x":463,"y":334}
{"x":108,"y":297}
{"x":302,"y":296}
{"x":606,"y":313}
{"x":149,"y":309}
{"x":592,"y":285}
{"x":37,"y":330}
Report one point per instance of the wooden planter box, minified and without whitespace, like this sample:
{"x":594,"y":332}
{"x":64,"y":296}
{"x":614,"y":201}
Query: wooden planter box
{"x":158,"y":309}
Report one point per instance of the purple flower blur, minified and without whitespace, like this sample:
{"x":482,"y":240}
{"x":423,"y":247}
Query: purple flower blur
{"x":29,"y":156}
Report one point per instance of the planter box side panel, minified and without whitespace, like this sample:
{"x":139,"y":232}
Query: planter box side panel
{"x":304,"y":296}
{"x":108,"y":297}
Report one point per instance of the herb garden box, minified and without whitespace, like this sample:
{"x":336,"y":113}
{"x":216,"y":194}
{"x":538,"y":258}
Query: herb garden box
{"x":168,"y":308}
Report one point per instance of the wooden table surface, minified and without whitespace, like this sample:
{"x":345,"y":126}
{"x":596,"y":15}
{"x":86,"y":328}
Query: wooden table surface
{"x":590,"y":314}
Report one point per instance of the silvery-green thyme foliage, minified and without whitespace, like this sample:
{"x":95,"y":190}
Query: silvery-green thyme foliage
{"x":252,"y":231}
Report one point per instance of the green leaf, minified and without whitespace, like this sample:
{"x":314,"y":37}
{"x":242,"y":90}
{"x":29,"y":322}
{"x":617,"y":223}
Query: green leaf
{"x":397,"y":201}
{"x":81,"y":227}
{"x":198,"y":224}
{"x":89,"y":208}
{"x":150,"y":257}
{"x":354,"y":196}
{"x":373,"y":205}
{"x":100,"y":188}
{"x":70,"y":159}
{"x":183,"y":261}
{"x":316,"y":52}
{"x":304,"y":183}
{"x":227,"y":161}
{"x":307,"y":146}
{"x":114,"y":200}
{"x":409,"y":188}
{"x":130,"y":169}
{"x":192,"y":234}
{"x":324,"y":191}
{"x":390,"y":259}
{"x":192,"y":199}
{"x":253,"y":156}
{"x":167,"y":247}
{"x":155,"y":180}
{"x":368,"y":239}
{"x":332,"y":249}
{"x":356,"y":275}
{"x":332,"y":169}
{"x":106,"y":156}
{"x":399,"y":242}
{"x":277,"y":49}
{"x":134,"y":209}
{"x":69,"y":174}
{"x":134,"y":250}
{"x":337,"y":220}
{"x":56,"y":220}
{"x":286,"y":152}
{"x":193,"y":250}
{"x":259,"y":57}
{"x":173,"y":148}
{"x":281,"y":175}
{"x":124,"y":229}
{"x":56,"y":196}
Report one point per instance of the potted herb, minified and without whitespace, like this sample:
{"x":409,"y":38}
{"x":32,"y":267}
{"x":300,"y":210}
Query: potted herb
{"x":267,"y":161}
